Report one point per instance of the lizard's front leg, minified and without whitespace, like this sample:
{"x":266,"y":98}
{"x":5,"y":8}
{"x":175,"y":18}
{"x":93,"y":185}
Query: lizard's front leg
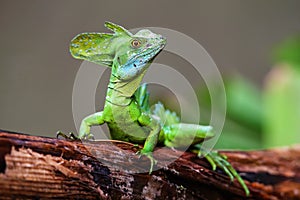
{"x":85,"y":127}
{"x":87,"y":122}
{"x":152,"y":138}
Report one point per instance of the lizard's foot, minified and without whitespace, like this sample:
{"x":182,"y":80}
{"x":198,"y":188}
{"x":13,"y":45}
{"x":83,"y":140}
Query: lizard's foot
{"x":150,"y":156}
{"x":218,"y":160}
{"x":68,"y":136}
{"x":73,"y":136}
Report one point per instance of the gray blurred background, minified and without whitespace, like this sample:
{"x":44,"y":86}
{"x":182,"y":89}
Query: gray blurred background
{"x":37,"y":72}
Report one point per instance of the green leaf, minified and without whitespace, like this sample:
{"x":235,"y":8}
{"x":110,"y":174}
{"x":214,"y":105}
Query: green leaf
{"x":288,"y":52}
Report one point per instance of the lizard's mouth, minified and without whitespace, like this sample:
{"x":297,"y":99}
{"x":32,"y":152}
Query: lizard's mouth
{"x":147,"y":56}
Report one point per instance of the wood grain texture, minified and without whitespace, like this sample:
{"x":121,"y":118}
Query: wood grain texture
{"x":33,"y":167}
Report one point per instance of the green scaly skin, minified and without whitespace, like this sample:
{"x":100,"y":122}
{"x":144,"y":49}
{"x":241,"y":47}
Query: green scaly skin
{"x":126,"y":109}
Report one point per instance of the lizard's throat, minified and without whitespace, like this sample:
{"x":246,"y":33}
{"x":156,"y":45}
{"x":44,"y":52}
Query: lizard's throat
{"x":121,"y":92}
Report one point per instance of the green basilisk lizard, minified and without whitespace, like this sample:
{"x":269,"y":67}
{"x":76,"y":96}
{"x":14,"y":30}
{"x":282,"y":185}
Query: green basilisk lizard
{"x":126,"y":111}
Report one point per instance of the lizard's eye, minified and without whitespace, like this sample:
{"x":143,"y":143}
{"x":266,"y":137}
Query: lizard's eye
{"x":135,"y":43}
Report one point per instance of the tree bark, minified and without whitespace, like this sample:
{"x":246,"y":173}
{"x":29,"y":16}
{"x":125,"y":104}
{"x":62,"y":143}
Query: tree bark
{"x":33,"y":167}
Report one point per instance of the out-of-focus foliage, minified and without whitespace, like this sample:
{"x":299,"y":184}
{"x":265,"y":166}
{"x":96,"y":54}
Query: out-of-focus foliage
{"x":288,"y":52}
{"x":244,"y":103}
{"x":282,"y":96}
{"x":244,"y":115}
{"x":266,"y":117}
{"x":243,"y":125}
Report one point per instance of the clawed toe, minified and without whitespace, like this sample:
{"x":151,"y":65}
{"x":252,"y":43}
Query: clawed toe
{"x":219,"y":160}
{"x":150,"y":156}
{"x":69,"y":136}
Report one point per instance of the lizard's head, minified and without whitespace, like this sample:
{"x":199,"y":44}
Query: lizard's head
{"x":129,"y":55}
{"x":133,"y":55}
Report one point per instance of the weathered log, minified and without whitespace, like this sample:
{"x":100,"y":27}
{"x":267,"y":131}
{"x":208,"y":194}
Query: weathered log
{"x":33,"y":167}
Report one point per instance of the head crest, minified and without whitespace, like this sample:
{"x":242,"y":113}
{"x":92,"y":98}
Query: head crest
{"x":96,"y":47}
{"x":117,"y":29}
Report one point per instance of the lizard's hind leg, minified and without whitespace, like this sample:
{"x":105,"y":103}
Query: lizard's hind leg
{"x":183,"y":135}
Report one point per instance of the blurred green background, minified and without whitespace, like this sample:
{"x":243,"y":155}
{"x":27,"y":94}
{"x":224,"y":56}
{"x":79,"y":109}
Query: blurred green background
{"x":255,"y":45}
{"x":267,"y":116}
